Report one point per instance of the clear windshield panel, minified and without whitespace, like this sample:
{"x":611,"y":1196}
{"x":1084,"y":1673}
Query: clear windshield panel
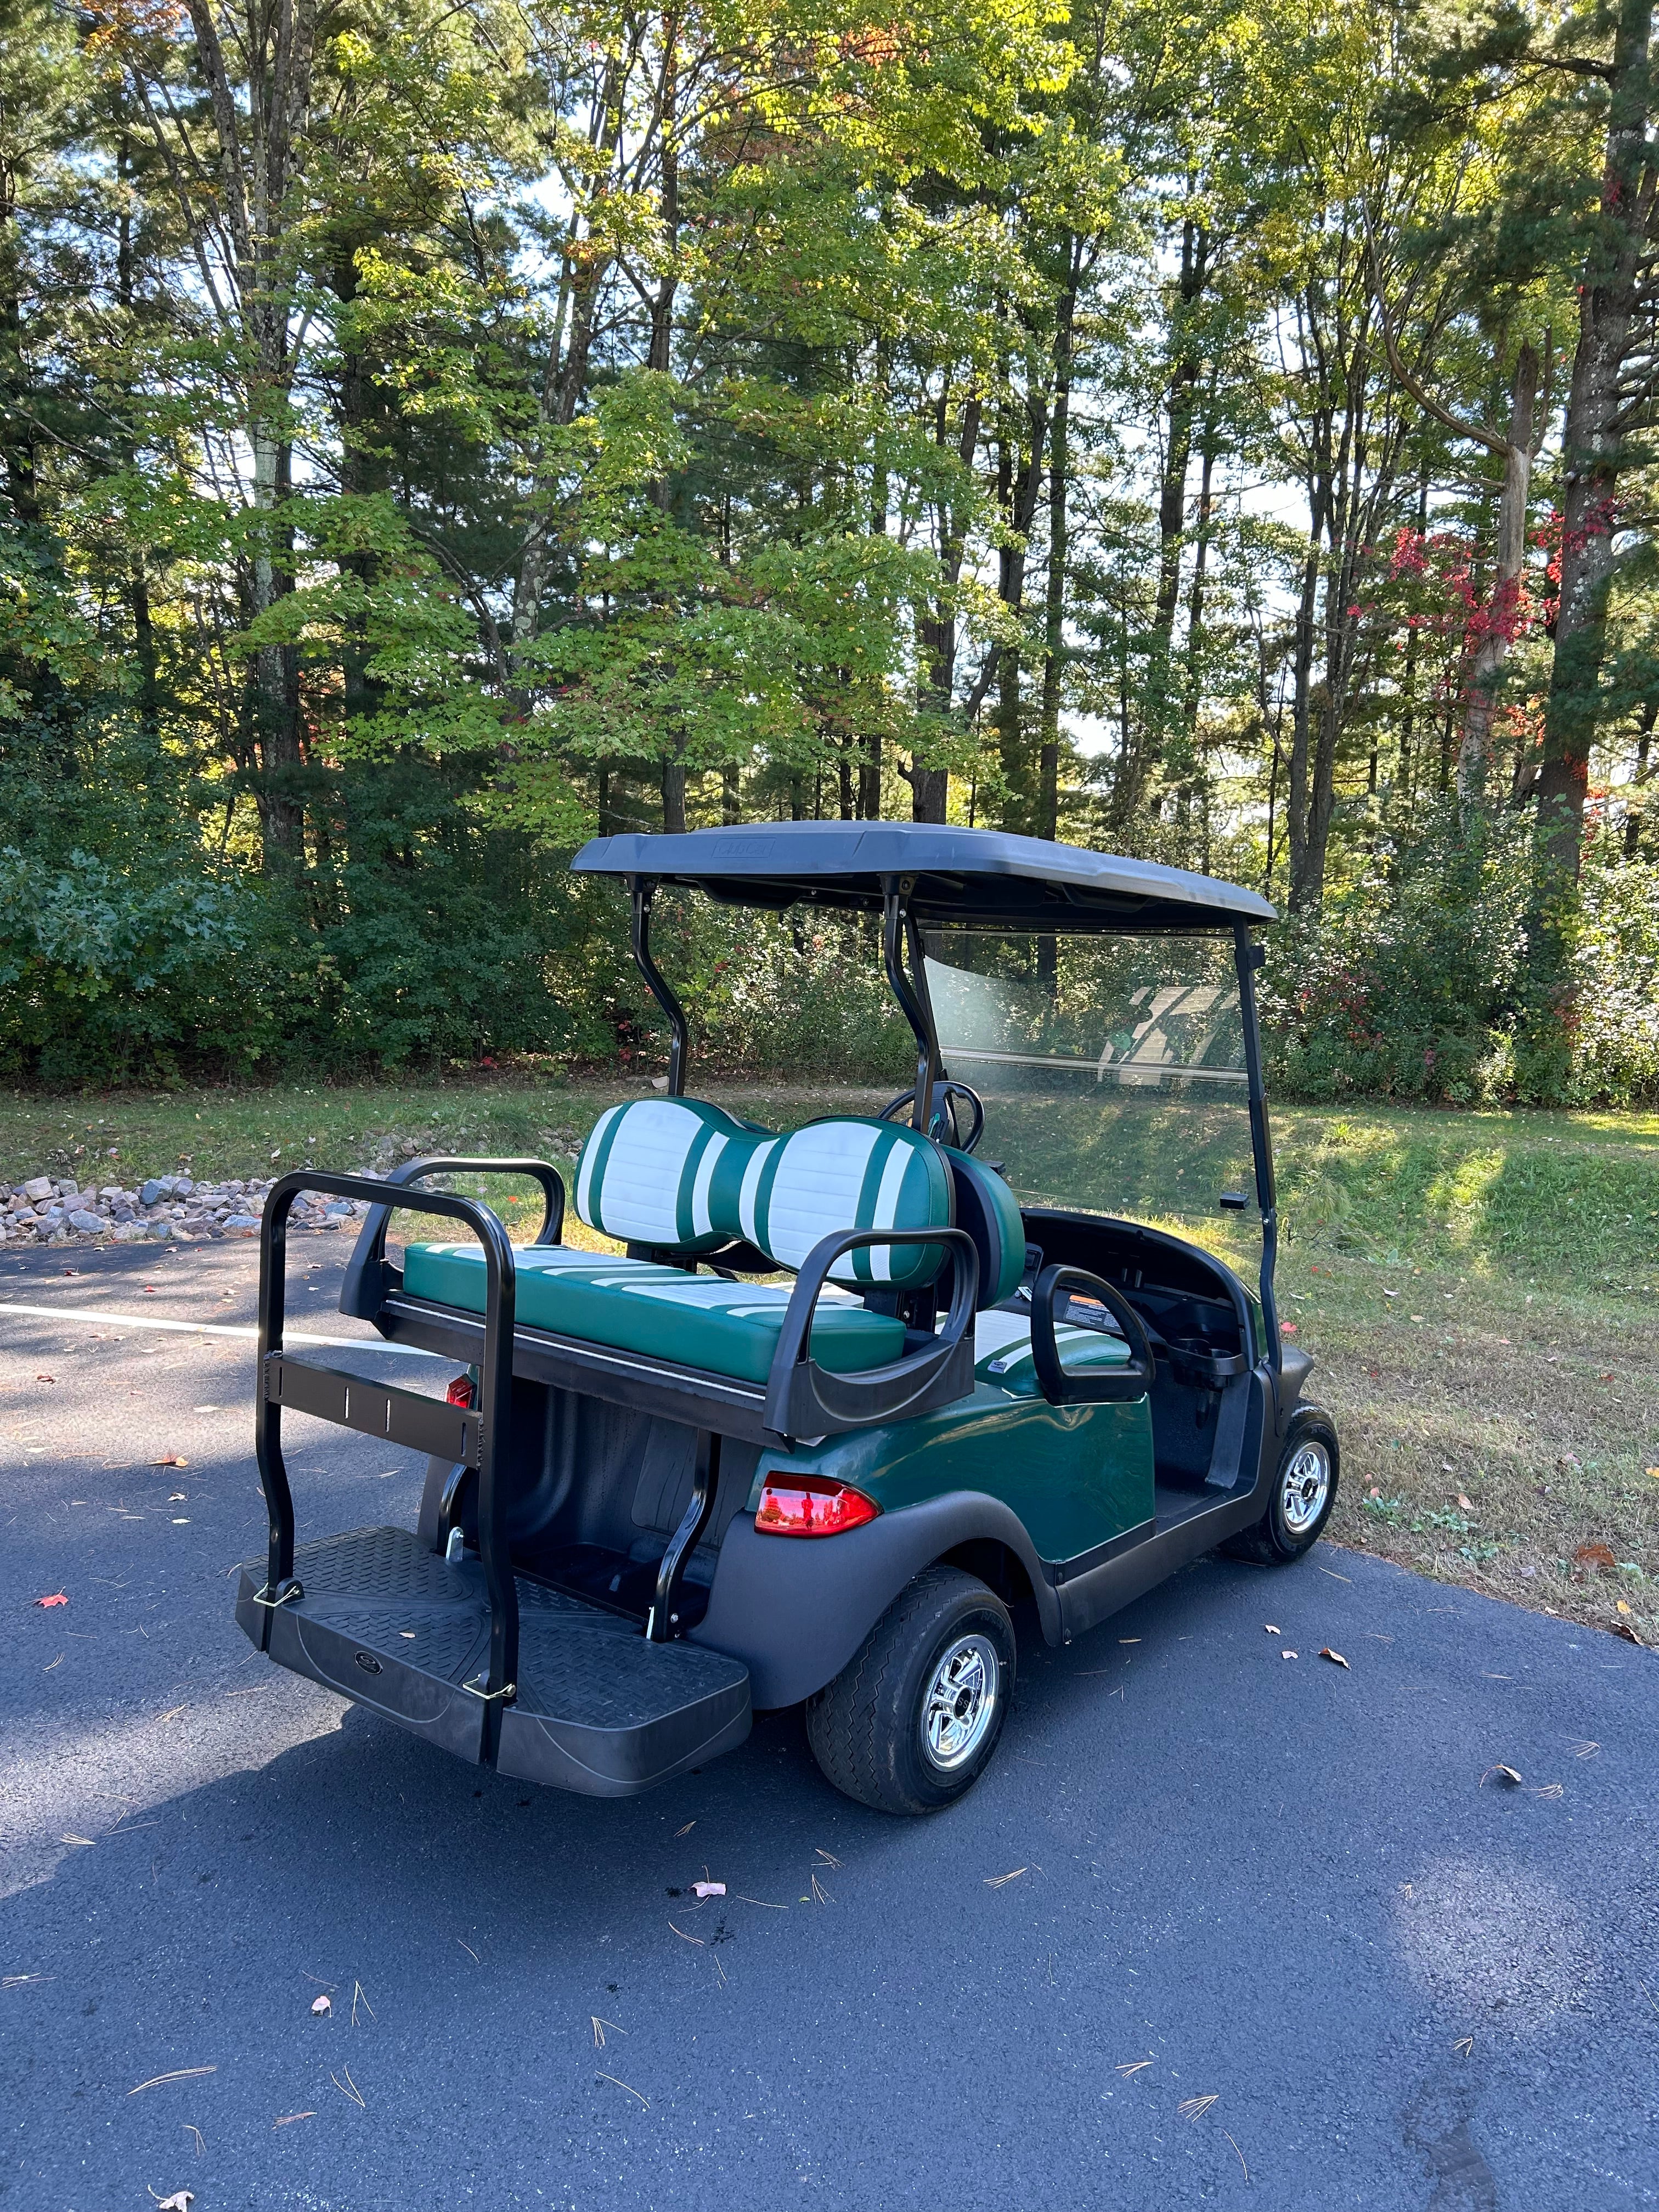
{"x":1112,"y":1069}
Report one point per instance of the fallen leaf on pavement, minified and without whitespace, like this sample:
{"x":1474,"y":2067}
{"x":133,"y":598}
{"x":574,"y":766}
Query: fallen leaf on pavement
{"x":1289,"y":1654}
{"x":321,"y":2006}
{"x":57,"y":1598}
{"x":686,"y":1830}
{"x":45,"y":1378}
{"x":1272,"y":1628}
{"x":289,"y":2118}
{"x":1132,"y":2066}
{"x":180,"y":2201}
{"x":708,"y":1889}
{"x":1335,"y":1657}
{"x":1506,"y":1775}
{"x":169,"y":1459}
{"x":996,"y":1880}
{"x":1194,"y":2108}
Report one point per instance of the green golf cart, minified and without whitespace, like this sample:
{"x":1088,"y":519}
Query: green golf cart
{"x":855,"y":1396}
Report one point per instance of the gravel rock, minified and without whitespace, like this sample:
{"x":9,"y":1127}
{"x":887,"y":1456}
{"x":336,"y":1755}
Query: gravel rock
{"x":38,"y":1187}
{"x":90,"y":1224}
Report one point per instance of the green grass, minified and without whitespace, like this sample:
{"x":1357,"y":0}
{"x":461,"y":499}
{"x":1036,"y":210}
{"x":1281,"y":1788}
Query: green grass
{"x":1481,"y":1290}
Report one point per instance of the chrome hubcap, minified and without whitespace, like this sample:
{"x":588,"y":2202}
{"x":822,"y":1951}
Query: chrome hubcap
{"x":1307,"y":1485}
{"x":961,"y":1702}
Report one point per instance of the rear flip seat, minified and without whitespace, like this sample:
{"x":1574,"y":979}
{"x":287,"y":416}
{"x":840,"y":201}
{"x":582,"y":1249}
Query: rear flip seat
{"x":700,"y":1320}
{"x":680,"y":1174}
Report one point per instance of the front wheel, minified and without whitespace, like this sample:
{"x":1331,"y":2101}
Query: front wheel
{"x":1304,"y":1495}
{"x":911,"y":1722}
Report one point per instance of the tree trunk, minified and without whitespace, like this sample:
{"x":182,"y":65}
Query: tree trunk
{"x":930,"y":786}
{"x":281,"y":811}
{"x":1296,"y":798}
{"x":1054,"y":627}
{"x":1503,"y":609}
{"x":673,"y":796}
{"x":1136,"y":770}
{"x":1594,"y":452}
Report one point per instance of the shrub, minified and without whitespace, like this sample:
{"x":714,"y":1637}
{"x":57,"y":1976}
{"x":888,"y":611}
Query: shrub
{"x":1417,"y":981}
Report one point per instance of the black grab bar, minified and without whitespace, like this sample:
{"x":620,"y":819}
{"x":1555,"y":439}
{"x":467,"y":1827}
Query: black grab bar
{"x":494,"y":1405}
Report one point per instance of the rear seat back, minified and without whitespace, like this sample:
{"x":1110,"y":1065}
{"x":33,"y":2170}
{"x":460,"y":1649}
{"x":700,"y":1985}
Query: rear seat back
{"x":681,"y":1175}
{"x":648,"y":1174}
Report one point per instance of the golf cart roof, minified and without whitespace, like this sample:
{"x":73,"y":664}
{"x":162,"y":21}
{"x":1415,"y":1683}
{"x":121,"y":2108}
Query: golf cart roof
{"x":962,"y":876}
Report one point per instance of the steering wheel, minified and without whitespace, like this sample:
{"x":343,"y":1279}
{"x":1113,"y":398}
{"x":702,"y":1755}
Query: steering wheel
{"x":945,"y":1127}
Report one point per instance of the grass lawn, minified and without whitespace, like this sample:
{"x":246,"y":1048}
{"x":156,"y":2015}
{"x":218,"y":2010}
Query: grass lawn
{"x":1481,"y":1292}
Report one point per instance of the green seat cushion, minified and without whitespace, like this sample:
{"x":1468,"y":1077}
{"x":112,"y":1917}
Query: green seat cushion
{"x":632,"y":1305}
{"x":989,"y":1212}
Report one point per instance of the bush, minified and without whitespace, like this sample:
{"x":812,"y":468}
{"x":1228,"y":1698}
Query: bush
{"x":1417,"y":981}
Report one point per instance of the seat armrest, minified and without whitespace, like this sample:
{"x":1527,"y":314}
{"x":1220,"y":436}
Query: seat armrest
{"x":803,"y":1399}
{"x":1096,"y":1386}
{"x":368,"y":1276}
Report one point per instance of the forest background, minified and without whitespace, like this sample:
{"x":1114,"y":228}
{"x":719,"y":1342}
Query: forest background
{"x":435,"y":433}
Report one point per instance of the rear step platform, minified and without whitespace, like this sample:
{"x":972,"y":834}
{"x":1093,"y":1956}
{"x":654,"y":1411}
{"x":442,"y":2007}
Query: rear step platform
{"x":397,"y":1629}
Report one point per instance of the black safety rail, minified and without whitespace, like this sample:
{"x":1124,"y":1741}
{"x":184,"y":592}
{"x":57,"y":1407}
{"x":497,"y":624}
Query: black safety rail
{"x":478,"y":1435}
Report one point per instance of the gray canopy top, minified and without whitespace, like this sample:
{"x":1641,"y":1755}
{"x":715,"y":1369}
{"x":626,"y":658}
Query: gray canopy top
{"x":946,"y":875}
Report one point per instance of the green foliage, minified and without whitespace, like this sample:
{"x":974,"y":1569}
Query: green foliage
{"x":1421,"y":980}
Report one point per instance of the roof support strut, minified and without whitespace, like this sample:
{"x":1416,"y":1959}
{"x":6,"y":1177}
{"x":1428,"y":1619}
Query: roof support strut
{"x":900,"y":937}
{"x":1248,"y":957}
{"x":638,"y":937}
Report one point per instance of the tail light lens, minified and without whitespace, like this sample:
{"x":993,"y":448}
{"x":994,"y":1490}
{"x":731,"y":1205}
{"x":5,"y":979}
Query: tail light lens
{"x":811,"y":1505}
{"x":459,"y":1392}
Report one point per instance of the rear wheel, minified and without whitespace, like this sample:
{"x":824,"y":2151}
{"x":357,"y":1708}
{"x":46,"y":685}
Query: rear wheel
{"x":1304,"y":1495}
{"x":910,"y":1723}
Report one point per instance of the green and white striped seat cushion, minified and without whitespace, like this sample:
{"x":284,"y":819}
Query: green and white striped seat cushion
{"x":681,"y":1175}
{"x":635,"y":1305}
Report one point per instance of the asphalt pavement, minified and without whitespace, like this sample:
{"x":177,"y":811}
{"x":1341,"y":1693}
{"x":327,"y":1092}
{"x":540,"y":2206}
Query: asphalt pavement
{"x":1219,"y":1927}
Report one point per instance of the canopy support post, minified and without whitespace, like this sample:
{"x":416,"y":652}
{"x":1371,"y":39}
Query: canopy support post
{"x":638,"y":937}
{"x":1248,"y":958}
{"x":900,"y":936}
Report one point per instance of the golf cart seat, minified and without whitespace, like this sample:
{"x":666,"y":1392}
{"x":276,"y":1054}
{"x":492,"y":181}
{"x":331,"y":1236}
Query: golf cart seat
{"x":682,"y":1176}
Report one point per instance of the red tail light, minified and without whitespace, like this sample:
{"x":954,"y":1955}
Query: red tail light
{"x":459,"y":1392}
{"x":811,"y":1505}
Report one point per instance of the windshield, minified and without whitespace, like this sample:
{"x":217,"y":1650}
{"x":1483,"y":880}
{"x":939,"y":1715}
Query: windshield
{"x":1112,"y":1068}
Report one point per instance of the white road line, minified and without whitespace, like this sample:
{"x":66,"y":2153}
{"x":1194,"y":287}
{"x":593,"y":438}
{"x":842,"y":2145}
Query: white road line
{"x":215,"y":1328}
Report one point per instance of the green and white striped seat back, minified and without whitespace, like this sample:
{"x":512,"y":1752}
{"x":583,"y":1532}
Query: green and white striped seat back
{"x":847,"y":1173}
{"x":665,"y":1172}
{"x":681,"y":1175}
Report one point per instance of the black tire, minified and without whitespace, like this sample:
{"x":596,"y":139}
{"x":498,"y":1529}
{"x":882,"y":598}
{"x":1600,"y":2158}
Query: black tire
{"x":1282,"y":1534}
{"x":868,"y":1729}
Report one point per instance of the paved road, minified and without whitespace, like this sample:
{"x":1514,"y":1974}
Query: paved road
{"x":1273,"y":1885}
